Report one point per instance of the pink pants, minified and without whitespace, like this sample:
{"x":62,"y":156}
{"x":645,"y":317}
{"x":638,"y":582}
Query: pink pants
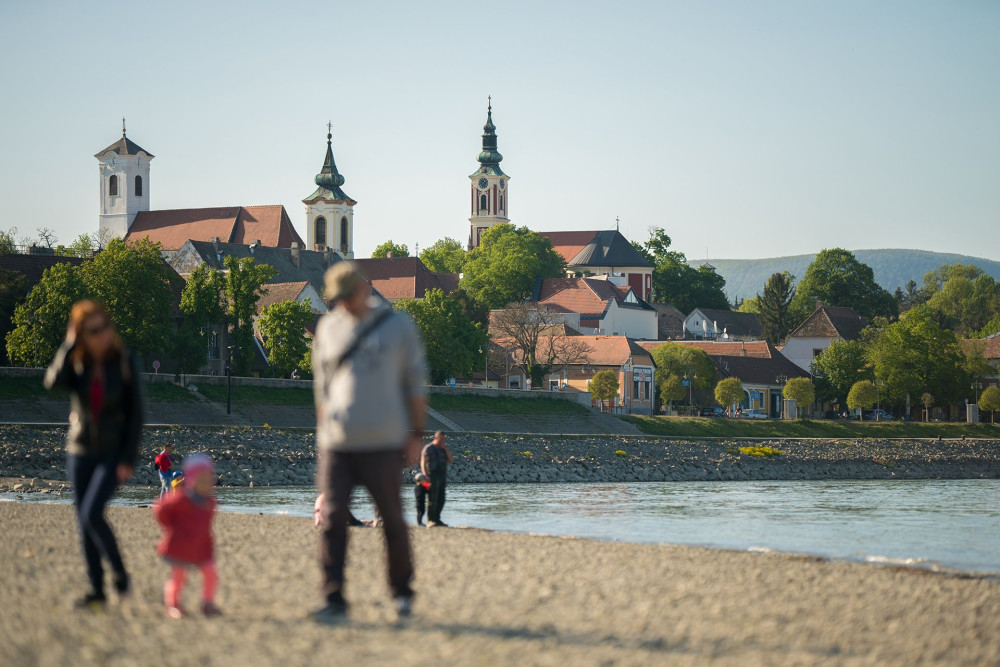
{"x":175,"y":584}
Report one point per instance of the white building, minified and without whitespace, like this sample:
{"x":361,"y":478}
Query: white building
{"x":123,"y":169}
{"x":818,"y":331}
{"x":488,"y":186}
{"x":329,"y":211}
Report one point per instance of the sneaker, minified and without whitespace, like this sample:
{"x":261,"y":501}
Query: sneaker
{"x":176,"y":613}
{"x":92,"y":600}
{"x":334,"y":612}
{"x":210,"y":610}
{"x":404,"y":606}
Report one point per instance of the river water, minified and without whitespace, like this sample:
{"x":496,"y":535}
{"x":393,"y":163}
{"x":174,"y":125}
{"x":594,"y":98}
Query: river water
{"x":935,"y":524}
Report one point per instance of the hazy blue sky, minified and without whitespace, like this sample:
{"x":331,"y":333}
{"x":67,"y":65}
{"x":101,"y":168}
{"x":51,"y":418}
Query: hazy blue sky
{"x":754,"y":129}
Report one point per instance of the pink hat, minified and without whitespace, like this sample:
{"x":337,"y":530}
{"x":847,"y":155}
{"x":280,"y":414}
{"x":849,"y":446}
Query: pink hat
{"x":197,"y":463}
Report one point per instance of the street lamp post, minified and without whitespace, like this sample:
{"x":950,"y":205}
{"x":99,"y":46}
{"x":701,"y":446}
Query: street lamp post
{"x":781,"y":380}
{"x":229,"y":379}
{"x":976,"y":385}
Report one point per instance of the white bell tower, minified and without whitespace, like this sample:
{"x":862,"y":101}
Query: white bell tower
{"x":124,"y":185}
{"x":329,"y":211}
{"x":489,"y":185}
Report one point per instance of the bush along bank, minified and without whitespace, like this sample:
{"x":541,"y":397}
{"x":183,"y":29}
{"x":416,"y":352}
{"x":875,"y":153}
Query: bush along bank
{"x":34,"y":457}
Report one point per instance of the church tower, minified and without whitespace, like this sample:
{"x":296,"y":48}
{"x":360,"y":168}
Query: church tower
{"x":330,"y":212}
{"x":124,"y":174}
{"x":489,"y":185}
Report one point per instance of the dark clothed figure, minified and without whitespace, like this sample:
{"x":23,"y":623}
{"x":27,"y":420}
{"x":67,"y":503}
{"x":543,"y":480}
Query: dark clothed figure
{"x":434,"y":462}
{"x":420,"y":489}
{"x":105,"y":425}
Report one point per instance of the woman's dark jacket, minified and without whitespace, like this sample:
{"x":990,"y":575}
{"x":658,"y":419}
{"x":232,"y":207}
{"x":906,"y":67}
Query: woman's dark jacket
{"x":117,"y":429}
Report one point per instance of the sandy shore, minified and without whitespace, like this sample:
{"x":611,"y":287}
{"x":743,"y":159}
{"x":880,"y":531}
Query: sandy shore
{"x":485,"y":599}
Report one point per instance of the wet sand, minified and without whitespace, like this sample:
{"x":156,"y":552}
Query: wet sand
{"x":484,"y":598}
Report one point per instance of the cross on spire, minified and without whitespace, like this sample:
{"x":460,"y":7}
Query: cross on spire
{"x":489,"y":103}
{"x":616,"y":224}
{"x":329,"y":127}
{"x":123,"y":126}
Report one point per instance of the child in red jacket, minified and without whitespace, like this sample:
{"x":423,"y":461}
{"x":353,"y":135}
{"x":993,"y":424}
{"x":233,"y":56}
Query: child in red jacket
{"x":186,"y":517}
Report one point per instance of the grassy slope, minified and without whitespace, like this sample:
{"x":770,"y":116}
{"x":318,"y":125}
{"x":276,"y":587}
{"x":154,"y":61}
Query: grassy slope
{"x":506,"y":406}
{"x":804,"y":428}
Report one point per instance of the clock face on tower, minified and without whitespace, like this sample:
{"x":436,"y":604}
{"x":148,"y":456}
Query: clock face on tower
{"x":483,"y":183}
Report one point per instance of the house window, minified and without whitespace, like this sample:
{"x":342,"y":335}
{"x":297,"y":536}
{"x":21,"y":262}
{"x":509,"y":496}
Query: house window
{"x":343,"y":236}
{"x":817,"y":351}
{"x":138,"y":186}
{"x":483,"y":203}
{"x":113,"y":185}
{"x":320,"y":231}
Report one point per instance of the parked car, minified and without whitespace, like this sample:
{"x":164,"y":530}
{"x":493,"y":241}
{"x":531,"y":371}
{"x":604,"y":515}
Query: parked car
{"x":712,"y":412}
{"x":753,"y":414}
{"x":876,"y":415}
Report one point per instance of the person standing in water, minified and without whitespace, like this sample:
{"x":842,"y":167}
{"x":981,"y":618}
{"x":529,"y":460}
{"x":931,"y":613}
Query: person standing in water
{"x":105,"y":426}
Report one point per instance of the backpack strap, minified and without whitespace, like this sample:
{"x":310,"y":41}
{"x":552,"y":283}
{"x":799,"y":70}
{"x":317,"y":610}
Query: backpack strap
{"x":363,"y":333}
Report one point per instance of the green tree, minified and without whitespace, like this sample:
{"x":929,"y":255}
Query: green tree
{"x":282,"y":328}
{"x":729,"y":392}
{"x":990,"y":400}
{"x":40,"y":321}
{"x":397,"y":250}
{"x":8,"y":241}
{"x":671,"y":389}
{"x":445,"y":256}
{"x":204,"y":308}
{"x":244,"y":285}
{"x":862,"y":395}
{"x":838,"y":367}
{"x":966,"y":305}
{"x":137,"y":287}
{"x":936,"y":279}
{"x":683,"y":361}
{"x":451,"y":340}
{"x":504,"y":267}
{"x":603,"y":386}
{"x":837,"y":278}
{"x":751,"y":305}
{"x":915,"y":355}
{"x":84,"y":246}
{"x":476,"y":312}
{"x":992,"y":327}
{"x":800,"y":390}
{"x":14,"y":290}
{"x":776,"y":317}
{"x":677,"y":282}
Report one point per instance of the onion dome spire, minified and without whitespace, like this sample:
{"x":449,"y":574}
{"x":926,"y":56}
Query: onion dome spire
{"x":329,"y":177}
{"x":490,"y":157}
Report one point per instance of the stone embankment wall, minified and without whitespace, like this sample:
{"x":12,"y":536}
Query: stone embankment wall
{"x":262,"y":456}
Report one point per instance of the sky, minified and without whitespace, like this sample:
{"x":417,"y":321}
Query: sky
{"x":744,"y":129}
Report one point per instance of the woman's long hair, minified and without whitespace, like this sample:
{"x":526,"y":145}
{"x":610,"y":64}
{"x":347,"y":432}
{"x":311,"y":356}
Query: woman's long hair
{"x":83,"y":311}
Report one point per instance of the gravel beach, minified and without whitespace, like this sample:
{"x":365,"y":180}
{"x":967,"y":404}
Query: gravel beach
{"x":485,"y":598}
{"x":33,"y":458}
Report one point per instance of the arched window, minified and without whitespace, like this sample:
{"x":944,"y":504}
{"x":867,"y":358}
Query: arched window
{"x":343,"y":236}
{"x":501,"y":202}
{"x":483,"y":203}
{"x":138,"y":186}
{"x":320,"y":231}
{"x":113,"y":185}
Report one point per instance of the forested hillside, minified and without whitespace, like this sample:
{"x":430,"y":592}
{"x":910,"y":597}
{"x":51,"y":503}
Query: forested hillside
{"x":892,"y":267}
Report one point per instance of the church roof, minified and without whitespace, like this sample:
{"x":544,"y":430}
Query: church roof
{"x":490,"y":157}
{"x":329,"y":179}
{"x":124,"y":146}
{"x":232,"y":224}
{"x":596,"y":249}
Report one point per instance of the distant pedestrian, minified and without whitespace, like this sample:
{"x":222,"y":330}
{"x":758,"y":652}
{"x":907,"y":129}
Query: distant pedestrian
{"x":186,"y":517}
{"x":420,"y":487}
{"x":434,"y":462}
{"x":370,"y":383}
{"x":105,"y":426}
{"x":164,"y":466}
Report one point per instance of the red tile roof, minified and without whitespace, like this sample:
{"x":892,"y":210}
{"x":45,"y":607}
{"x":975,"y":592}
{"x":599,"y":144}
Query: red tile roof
{"x":404,"y":277}
{"x":753,"y":362}
{"x":278,"y":292}
{"x":233,"y":224}
{"x":569,"y":244}
{"x":989,"y":347}
{"x":601,"y":350}
{"x":587,"y":296}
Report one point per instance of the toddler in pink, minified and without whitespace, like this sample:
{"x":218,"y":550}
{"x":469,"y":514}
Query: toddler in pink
{"x":186,"y":517}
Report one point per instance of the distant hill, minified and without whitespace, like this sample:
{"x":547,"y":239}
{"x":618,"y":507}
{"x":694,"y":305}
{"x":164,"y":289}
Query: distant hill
{"x":893,"y":268}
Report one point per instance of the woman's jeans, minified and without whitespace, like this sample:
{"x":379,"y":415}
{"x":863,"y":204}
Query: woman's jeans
{"x":94,"y":482}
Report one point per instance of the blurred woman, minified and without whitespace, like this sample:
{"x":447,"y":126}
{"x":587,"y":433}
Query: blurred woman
{"x":105,"y":424}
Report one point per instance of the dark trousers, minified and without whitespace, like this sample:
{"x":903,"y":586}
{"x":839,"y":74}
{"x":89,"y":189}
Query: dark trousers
{"x":439,"y":480}
{"x":94,"y":483}
{"x":337,"y":475}
{"x":420,"y":496}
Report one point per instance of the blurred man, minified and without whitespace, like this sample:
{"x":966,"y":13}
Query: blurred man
{"x":434,"y":462}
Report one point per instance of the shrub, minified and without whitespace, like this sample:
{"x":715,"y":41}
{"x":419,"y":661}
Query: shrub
{"x":761,"y":450}
{"x":620,"y":452}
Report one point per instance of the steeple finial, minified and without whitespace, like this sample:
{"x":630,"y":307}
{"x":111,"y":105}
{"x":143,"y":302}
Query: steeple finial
{"x":123,"y":126}
{"x":329,"y":177}
{"x":329,"y":131}
{"x":490,"y":157}
{"x":616,"y":224}
{"x":489,"y":103}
